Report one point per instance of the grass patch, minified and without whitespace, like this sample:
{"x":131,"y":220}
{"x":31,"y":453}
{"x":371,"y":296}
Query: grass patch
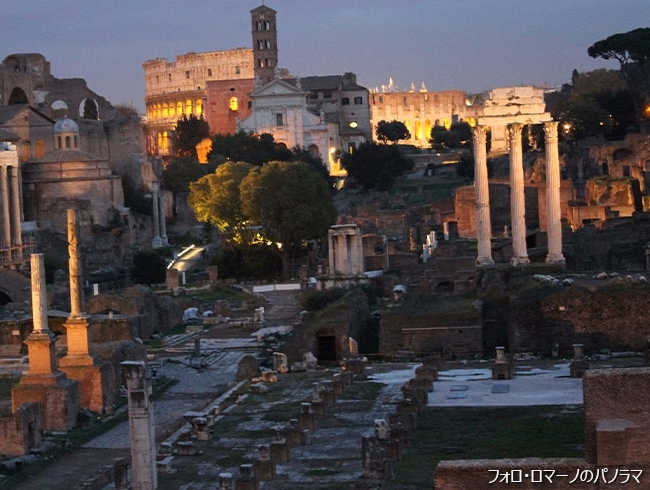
{"x":489,"y":433}
{"x":366,"y":390}
{"x":282,"y":412}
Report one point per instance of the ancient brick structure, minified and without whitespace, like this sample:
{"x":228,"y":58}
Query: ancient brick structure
{"x":21,"y":431}
{"x":421,"y":110}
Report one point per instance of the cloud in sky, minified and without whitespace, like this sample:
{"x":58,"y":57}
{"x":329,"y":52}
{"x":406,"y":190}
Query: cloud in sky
{"x":471,"y":45}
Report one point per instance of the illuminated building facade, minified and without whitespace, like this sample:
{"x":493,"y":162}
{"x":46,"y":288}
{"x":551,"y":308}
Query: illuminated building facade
{"x":214,"y":85}
{"x":421,"y":110}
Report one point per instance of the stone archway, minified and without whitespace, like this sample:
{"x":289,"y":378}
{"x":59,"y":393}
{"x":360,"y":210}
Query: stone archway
{"x":18,"y":96}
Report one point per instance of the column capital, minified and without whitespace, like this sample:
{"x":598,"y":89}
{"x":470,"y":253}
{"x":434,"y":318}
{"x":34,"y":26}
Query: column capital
{"x":514,"y":130}
{"x":480,"y":133}
{"x":550,"y":129}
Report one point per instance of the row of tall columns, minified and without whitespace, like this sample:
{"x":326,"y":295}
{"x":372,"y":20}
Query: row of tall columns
{"x":11,"y":210}
{"x":517,"y":196}
{"x":345,"y":250}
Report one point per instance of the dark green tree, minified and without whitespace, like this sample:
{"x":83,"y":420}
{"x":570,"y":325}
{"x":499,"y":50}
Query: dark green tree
{"x":248,"y":147}
{"x":181,"y":171}
{"x":374,"y":166}
{"x":149,"y":267}
{"x":188,"y":133}
{"x":632,"y":51}
{"x":392,"y":131}
{"x":290,"y":203}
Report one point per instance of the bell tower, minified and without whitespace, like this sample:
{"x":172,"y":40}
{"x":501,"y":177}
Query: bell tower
{"x":265,"y":43}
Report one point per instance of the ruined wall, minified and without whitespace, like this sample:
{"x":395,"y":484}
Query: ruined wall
{"x":621,"y":395}
{"x":157,"y":313}
{"x":20,"y":432}
{"x":345,"y":318}
{"x":424,"y":326}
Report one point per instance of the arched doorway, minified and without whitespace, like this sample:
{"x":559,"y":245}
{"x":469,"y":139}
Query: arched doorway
{"x":18,"y":96}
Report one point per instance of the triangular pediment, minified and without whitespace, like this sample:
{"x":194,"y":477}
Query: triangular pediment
{"x":278,"y":88}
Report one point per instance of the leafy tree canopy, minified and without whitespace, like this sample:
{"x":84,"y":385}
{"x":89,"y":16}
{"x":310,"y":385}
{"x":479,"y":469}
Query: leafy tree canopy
{"x":459,"y":135}
{"x":215,"y":197}
{"x":374,"y":166}
{"x":392,"y":131}
{"x":632,"y":51}
{"x":290,"y":202}
{"x":248,"y":147}
{"x":188,"y":133}
{"x":596,"y":103}
{"x":181,"y":171}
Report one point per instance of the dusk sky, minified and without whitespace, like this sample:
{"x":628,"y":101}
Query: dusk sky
{"x":471,"y":45}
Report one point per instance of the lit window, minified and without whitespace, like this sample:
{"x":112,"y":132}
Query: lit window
{"x":199,"y":107}
{"x":232,"y":104}
{"x":179,"y":109}
{"x":188,"y":107}
{"x":25,"y":152}
{"x":40,"y":148}
{"x":165,"y":111}
{"x":358,"y":100}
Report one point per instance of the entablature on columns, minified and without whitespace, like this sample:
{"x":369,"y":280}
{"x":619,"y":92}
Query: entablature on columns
{"x":503,"y":121}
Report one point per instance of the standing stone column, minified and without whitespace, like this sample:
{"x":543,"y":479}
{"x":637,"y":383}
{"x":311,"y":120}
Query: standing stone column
{"x":6,"y":216}
{"x":74,"y":268}
{"x":17,"y":238}
{"x":482,"y":190}
{"x":517,"y":197}
{"x":163,"y":221}
{"x":155,"y":242}
{"x":141,"y":426}
{"x":553,"y":211}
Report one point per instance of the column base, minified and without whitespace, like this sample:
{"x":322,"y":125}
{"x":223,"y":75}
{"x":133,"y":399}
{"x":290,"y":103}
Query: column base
{"x":484,"y":261}
{"x":519,"y":261}
{"x":555,"y":259}
{"x":156,"y":242}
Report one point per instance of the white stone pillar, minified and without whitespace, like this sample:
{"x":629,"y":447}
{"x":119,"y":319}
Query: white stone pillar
{"x":553,"y":211}
{"x":17,"y":238}
{"x":482,"y":190}
{"x":5,"y":240}
{"x":39,"y":294}
{"x":155,"y":242}
{"x":517,"y":198}
{"x":74,"y":268}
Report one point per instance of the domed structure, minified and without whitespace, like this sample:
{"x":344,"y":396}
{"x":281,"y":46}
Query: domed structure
{"x":66,"y":134}
{"x":66,"y":125}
